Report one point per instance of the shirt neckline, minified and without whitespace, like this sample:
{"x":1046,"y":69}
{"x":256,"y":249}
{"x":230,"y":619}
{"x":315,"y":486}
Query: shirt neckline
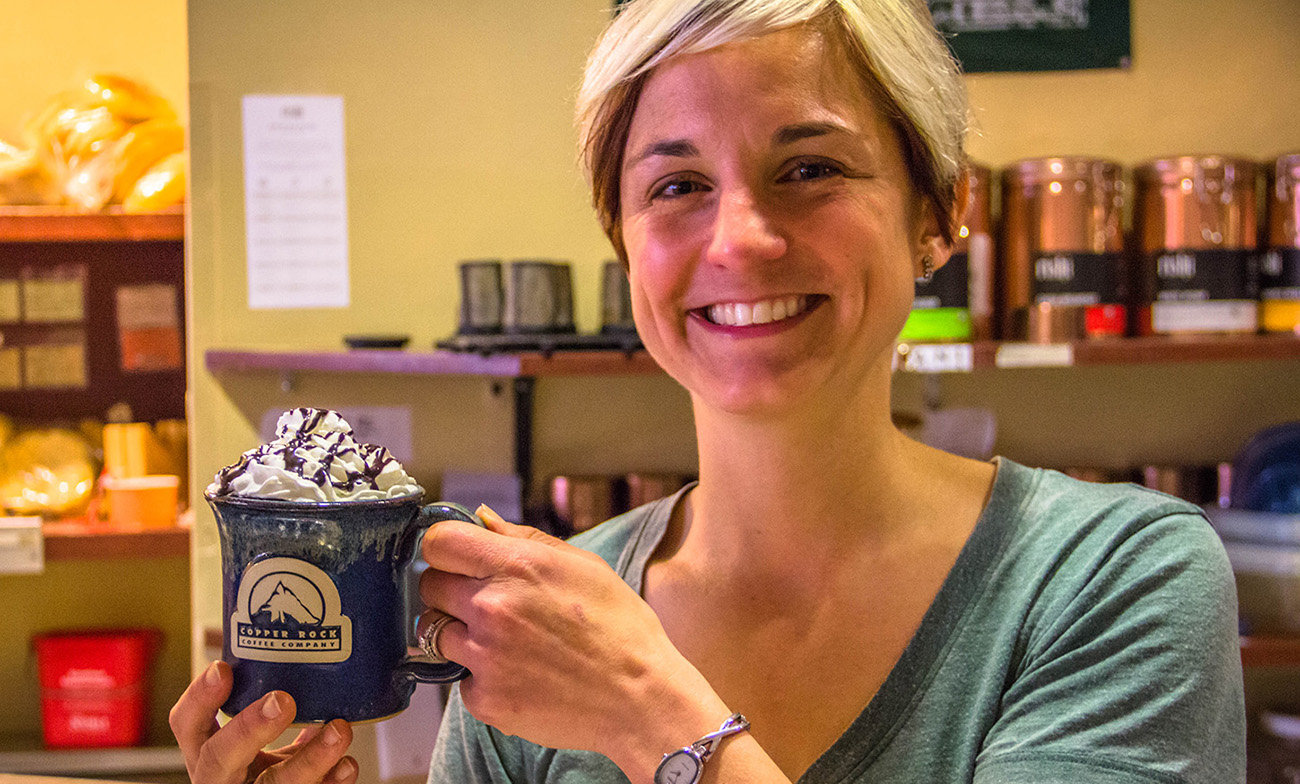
{"x":870,"y":733}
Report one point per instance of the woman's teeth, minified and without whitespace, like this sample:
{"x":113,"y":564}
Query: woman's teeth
{"x":742,"y":314}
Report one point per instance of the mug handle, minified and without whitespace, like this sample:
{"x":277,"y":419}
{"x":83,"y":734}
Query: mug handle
{"x":414,"y":669}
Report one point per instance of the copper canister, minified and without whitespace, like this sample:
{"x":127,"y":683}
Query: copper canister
{"x":1063,"y":273}
{"x":957,"y":303}
{"x":1279,"y":295}
{"x":1195,"y":219}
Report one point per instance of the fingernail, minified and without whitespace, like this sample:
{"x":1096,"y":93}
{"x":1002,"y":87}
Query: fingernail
{"x":331,"y":736}
{"x":486,"y":511}
{"x":212,"y":675}
{"x":345,"y":771}
{"x":271,"y":707}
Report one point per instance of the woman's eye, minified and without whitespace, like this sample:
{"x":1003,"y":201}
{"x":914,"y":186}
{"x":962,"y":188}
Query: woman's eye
{"x":812,"y":170}
{"x":677,"y":188}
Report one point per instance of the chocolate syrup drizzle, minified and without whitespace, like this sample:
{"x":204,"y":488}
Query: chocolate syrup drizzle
{"x":374,"y":458}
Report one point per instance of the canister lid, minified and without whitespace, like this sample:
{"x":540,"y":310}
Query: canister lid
{"x":1196,"y":168}
{"x":1032,"y":170}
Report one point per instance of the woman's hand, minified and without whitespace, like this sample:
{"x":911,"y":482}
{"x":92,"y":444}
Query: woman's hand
{"x":562,"y":652}
{"x":234,"y":754}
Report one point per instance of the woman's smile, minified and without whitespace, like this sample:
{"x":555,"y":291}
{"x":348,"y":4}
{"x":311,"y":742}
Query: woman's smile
{"x":757,"y":318}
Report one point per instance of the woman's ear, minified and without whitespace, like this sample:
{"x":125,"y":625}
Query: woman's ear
{"x":931,"y":241}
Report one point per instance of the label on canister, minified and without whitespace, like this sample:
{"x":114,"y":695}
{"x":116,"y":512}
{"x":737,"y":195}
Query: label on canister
{"x":949,"y":288}
{"x":1204,"y":275}
{"x":1077,"y":279}
{"x":1171,"y":317}
{"x":940,"y":307}
{"x":1279,"y":274}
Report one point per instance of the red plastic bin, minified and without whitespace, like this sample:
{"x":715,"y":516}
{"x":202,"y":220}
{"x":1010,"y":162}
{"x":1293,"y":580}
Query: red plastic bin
{"x":95,"y":686}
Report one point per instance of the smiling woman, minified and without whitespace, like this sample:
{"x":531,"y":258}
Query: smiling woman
{"x":832,"y":601}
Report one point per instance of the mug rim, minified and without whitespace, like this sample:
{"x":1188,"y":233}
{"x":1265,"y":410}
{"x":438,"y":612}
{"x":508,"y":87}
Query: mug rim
{"x":284,"y":503}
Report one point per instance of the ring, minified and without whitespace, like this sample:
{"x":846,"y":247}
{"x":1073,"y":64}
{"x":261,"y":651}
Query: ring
{"x":429,"y":638}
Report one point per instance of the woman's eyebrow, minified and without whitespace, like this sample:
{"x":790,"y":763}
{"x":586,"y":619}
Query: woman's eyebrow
{"x":789,"y":134}
{"x":672,"y":148}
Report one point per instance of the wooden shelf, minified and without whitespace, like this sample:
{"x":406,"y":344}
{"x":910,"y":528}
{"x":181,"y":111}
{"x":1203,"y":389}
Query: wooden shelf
{"x":932,"y":357}
{"x":1258,"y":651}
{"x":80,"y":541}
{"x":57,"y":224}
{"x":433,"y":363}
{"x":987,"y":355}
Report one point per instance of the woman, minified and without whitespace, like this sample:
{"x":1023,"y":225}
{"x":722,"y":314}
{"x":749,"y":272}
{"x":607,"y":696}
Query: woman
{"x":775,"y":173}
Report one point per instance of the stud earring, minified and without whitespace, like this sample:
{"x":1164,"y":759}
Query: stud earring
{"x":927,"y":268}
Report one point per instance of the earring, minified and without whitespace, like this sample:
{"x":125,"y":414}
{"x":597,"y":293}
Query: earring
{"x":927,"y":268}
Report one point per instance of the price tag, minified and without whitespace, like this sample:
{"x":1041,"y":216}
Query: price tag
{"x":22,"y":545}
{"x":1034,"y":355}
{"x":937,"y":357}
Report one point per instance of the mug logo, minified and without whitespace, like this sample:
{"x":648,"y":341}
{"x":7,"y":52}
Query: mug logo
{"x":288,"y":610}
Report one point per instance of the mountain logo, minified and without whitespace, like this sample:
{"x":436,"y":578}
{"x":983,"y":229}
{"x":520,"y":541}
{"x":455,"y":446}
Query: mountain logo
{"x":283,"y":607}
{"x":288,"y":610}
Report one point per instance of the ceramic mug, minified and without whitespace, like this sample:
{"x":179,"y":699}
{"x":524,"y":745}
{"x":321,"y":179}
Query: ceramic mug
{"x":313,"y":603}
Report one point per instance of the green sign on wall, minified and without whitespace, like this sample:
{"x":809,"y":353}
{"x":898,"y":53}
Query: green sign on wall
{"x":1035,"y":35}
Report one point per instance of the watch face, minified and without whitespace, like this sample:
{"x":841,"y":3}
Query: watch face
{"x":680,"y":767}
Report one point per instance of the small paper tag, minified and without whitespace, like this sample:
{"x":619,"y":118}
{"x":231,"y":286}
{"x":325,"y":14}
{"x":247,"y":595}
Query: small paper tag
{"x":938,"y":357}
{"x":22,"y":545}
{"x":1030,"y":355}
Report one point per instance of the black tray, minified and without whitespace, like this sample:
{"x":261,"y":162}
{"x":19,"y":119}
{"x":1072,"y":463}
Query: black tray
{"x":543,"y":343}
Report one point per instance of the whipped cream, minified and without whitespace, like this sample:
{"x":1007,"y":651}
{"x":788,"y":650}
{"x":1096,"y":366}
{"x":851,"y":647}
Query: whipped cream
{"x":314,"y":458}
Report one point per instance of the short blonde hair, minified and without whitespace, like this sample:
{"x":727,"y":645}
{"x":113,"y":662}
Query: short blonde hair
{"x":892,"y":44}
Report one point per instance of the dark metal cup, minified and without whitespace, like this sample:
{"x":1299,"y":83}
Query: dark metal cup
{"x":480,"y":297}
{"x":615,"y":300}
{"x":314,"y":606}
{"x":539,"y":298}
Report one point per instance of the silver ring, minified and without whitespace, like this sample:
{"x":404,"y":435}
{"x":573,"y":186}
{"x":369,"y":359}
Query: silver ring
{"x":429,"y":638}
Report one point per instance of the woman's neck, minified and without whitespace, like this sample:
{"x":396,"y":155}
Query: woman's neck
{"x":811,"y":480}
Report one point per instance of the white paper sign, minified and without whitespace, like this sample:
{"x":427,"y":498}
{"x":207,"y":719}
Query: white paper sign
{"x":295,"y":201}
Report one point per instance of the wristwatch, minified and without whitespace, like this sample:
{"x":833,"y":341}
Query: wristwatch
{"x":686,"y":765}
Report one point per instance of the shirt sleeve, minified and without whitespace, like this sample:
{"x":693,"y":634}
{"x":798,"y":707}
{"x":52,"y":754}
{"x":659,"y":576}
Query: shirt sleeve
{"x":1133,"y":677}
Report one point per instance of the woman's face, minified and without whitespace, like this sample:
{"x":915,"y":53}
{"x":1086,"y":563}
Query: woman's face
{"x":772,"y":231}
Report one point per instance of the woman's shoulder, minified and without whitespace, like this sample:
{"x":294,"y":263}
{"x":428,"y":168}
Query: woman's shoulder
{"x":1046,"y":497}
{"x":626,"y":541}
{"x":1048,"y":517}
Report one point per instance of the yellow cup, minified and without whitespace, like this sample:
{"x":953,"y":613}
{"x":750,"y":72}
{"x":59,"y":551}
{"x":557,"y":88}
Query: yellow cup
{"x":142,"y":501}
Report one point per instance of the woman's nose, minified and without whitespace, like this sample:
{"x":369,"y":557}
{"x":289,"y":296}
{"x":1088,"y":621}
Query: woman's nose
{"x":743,"y":232}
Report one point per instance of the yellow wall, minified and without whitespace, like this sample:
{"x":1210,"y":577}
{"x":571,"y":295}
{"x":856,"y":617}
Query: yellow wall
{"x":47,"y":46}
{"x":460,"y":145}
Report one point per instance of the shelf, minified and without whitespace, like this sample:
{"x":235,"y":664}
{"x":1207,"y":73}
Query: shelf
{"x":986,"y":355}
{"x":921,"y":357}
{"x":57,"y":224}
{"x":80,"y":541}
{"x":24,"y":754}
{"x":1270,"y":651}
{"x":434,"y":363}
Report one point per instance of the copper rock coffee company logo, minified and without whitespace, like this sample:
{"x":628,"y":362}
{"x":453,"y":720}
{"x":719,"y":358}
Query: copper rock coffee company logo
{"x":288,"y":610}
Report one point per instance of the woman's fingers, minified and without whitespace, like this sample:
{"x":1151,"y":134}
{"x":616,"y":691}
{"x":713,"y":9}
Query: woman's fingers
{"x":227,"y":756}
{"x":321,"y":758}
{"x":193,"y":718}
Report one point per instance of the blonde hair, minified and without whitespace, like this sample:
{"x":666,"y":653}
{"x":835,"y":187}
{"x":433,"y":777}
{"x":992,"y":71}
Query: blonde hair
{"x":893,"y":45}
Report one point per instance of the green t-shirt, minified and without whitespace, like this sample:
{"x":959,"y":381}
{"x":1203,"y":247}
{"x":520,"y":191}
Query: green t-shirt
{"x":1086,"y":633}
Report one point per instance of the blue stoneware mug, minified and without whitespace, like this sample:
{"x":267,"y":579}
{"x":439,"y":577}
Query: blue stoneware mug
{"x":313,"y":603}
